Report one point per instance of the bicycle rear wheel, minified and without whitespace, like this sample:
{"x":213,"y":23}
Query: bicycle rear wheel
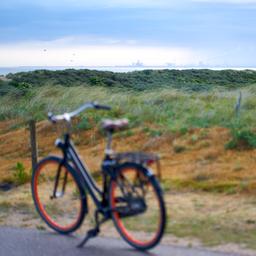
{"x":138,"y":208}
{"x":58,"y":195}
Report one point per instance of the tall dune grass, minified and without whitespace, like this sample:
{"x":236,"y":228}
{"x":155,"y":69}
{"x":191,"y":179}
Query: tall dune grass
{"x":169,"y":109}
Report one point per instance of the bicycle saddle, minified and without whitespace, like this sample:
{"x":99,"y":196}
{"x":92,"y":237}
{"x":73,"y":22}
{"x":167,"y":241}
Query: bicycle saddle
{"x":114,"y":125}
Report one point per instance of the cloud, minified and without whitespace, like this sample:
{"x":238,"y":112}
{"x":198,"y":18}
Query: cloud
{"x":96,"y":51}
{"x":63,"y":53}
{"x":106,"y":35}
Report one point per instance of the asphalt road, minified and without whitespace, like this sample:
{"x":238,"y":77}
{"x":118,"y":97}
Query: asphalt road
{"x":26,"y":242}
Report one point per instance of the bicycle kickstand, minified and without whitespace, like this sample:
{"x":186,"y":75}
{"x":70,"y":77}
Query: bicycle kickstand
{"x":92,"y":232}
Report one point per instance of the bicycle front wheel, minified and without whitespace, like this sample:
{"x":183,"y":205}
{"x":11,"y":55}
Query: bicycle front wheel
{"x":138,"y":208}
{"x":58,"y":195}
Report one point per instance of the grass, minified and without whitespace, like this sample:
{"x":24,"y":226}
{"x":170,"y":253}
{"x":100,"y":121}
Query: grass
{"x":19,"y":206}
{"x":213,"y":219}
{"x":242,"y":139}
{"x":5,"y":206}
{"x":203,"y":183}
{"x":174,"y":110}
{"x":20,"y":176}
{"x":24,"y":207}
{"x":213,"y":233}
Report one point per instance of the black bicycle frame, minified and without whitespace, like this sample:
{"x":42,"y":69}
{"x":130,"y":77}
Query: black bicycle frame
{"x":70,"y":155}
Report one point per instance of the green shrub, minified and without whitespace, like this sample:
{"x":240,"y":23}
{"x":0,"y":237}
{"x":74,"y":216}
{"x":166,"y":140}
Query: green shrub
{"x":242,"y":139}
{"x":186,"y":80}
{"x":20,"y":176}
{"x":183,"y":130}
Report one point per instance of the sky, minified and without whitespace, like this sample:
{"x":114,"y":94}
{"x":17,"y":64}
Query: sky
{"x":110,"y":32}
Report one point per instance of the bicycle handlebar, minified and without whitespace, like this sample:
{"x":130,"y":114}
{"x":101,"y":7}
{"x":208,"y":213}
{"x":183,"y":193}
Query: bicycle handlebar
{"x":104,"y":107}
{"x":68,"y":116}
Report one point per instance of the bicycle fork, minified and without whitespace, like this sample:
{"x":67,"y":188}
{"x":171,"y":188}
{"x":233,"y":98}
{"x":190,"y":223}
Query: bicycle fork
{"x":56,"y":183}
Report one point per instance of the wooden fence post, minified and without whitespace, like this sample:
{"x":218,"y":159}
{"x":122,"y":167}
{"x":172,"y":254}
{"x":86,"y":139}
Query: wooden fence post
{"x":238,"y":104}
{"x":33,"y":142}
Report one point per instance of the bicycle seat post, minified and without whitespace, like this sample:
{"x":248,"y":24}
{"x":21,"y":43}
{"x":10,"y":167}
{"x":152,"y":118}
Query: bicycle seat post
{"x":108,"y":149}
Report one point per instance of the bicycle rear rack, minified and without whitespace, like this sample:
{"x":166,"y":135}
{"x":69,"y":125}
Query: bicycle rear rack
{"x":142,"y":158}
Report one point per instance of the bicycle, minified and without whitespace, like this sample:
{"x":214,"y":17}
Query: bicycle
{"x":130,"y":195}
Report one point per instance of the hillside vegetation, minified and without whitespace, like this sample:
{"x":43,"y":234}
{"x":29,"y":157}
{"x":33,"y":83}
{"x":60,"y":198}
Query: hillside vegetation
{"x":191,"y":80}
{"x":192,"y":119}
{"x":172,"y":100}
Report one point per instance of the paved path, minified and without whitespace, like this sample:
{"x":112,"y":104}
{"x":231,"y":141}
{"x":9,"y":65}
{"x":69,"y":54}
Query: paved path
{"x":26,"y":242}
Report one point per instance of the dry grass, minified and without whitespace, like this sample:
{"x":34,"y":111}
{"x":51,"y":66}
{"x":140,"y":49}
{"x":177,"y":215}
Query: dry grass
{"x":194,"y":219}
{"x":203,"y":165}
{"x":213,"y":218}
